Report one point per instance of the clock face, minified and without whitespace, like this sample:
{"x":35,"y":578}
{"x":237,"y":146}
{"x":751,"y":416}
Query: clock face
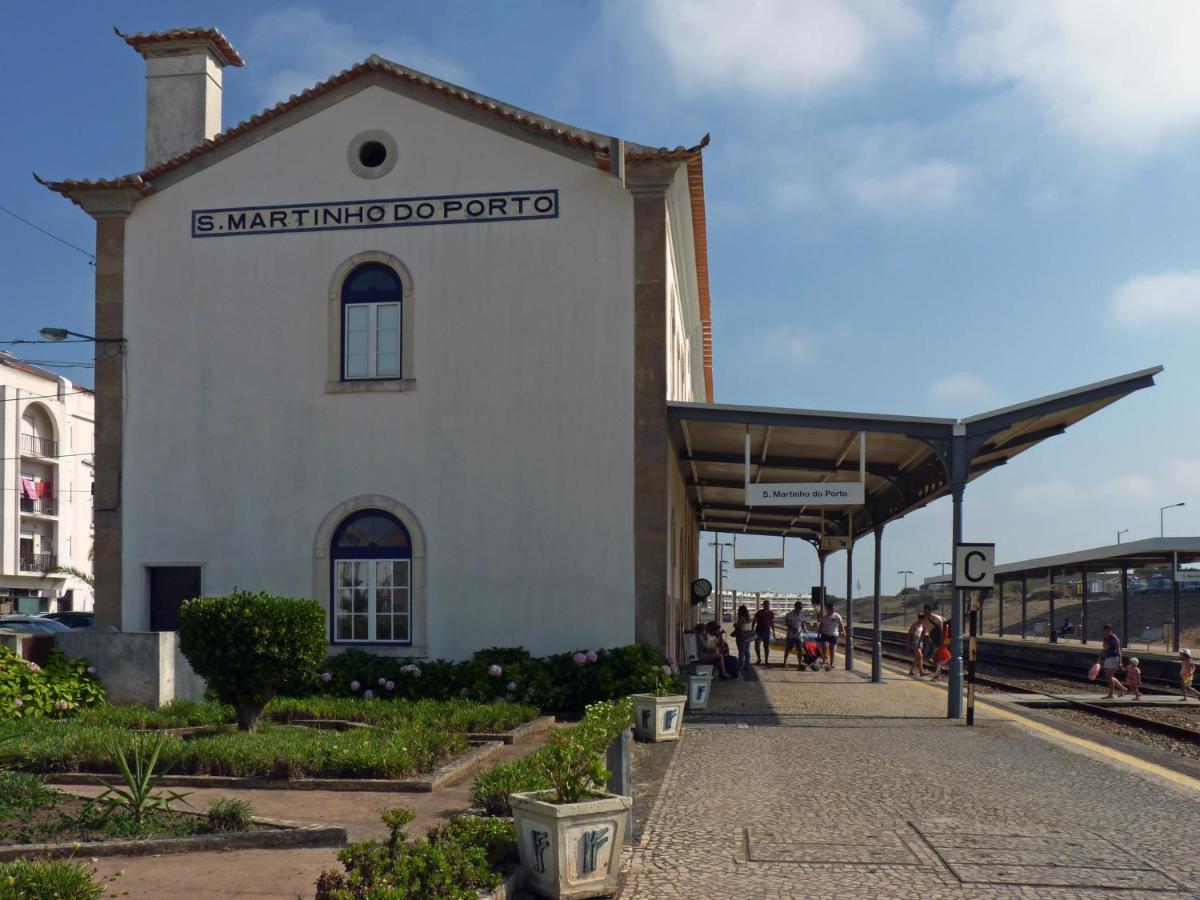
{"x":701,"y":587}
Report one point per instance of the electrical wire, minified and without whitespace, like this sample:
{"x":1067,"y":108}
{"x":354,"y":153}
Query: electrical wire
{"x":91,"y":257}
{"x":42,"y":396}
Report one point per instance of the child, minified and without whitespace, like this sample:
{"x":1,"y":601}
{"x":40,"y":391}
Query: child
{"x":1133,"y":677}
{"x":1187,"y":669}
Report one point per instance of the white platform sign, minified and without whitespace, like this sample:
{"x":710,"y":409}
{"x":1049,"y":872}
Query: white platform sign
{"x":1184,"y":575}
{"x":830,"y":543}
{"x":975,"y":566}
{"x":820,"y":493}
{"x":759,"y":563}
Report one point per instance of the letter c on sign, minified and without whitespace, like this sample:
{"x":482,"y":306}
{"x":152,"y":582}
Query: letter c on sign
{"x":967,"y":560}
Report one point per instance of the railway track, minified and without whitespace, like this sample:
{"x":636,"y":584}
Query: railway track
{"x":1178,"y":732}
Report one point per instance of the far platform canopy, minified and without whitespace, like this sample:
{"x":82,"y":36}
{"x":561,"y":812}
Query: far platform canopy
{"x":908,"y":459}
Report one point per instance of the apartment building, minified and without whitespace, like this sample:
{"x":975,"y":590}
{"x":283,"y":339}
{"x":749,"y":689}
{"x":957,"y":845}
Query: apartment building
{"x":46,"y":425}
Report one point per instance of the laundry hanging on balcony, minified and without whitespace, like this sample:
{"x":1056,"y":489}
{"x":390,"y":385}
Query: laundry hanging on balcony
{"x":29,"y":487}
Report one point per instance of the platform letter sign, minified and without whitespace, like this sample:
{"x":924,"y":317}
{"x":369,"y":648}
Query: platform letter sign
{"x":818,"y":493}
{"x":975,"y":566}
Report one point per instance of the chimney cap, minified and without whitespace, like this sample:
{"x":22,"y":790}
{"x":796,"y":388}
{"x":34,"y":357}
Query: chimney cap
{"x":155,"y":43}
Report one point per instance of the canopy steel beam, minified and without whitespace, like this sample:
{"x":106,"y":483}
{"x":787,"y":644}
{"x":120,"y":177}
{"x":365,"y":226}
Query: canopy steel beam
{"x":805,"y":464}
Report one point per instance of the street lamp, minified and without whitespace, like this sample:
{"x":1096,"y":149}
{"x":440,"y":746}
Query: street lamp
{"x":54,"y":335}
{"x":1121,"y":532}
{"x":718,"y":572}
{"x":1160,"y":515}
{"x":943,"y":565}
{"x":904,"y":593}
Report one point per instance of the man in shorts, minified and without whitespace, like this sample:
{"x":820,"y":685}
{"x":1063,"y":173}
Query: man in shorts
{"x":764,"y":627}
{"x":795,"y":630}
{"x":829,"y":629}
{"x":935,"y":629}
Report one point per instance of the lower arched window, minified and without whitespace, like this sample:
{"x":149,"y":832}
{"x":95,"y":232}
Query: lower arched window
{"x":372,"y":579}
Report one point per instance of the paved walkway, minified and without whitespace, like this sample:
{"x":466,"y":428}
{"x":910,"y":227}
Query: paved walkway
{"x":808,"y":783}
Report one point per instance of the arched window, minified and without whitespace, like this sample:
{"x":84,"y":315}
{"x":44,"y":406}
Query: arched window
{"x":372,"y":296}
{"x":372,"y":579}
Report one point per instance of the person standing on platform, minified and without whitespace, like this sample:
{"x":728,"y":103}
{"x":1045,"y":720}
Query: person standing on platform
{"x":764,"y":627}
{"x":743,"y":633}
{"x":1187,"y":671}
{"x":1133,"y":677}
{"x":829,"y":629}
{"x":935,"y":628}
{"x":795,"y":635}
{"x":1110,"y":661}
{"x":916,"y":644}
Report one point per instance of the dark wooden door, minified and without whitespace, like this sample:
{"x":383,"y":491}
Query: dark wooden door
{"x":169,"y":587}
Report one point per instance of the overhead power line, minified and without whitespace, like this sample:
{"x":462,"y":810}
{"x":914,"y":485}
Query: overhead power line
{"x":91,"y":257}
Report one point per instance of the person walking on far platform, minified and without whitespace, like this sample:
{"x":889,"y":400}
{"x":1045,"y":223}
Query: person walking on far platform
{"x":935,"y":628}
{"x":1187,"y":671}
{"x":916,"y":644}
{"x":764,"y":627}
{"x":829,"y":629}
{"x":1110,"y":661}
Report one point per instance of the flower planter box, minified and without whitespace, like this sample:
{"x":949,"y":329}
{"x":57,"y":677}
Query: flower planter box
{"x":699,"y":688}
{"x":570,"y":849}
{"x":658,"y":718}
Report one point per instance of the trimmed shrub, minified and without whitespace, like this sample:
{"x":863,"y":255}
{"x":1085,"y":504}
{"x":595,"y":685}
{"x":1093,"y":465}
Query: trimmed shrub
{"x":490,"y":789}
{"x":48,"y":879}
{"x":59,"y":689}
{"x":229,"y":814}
{"x":248,"y":647}
{"x":454,"y":861}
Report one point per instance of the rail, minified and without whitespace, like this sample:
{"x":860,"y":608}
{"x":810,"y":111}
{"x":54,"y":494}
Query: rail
{"x":38,"y":562}
{"x":33,"y":445}
{"x":43,"y":506}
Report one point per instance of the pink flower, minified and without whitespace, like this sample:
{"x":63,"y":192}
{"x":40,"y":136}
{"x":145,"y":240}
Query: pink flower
{"x":60,"y":705}
{"x":354,"y":685}
{"x":511,"y":686}
{"x":390,"y":685}
{"x":91,"y":670}
{"x":670,"y":660}
{"x":34,"y":667}
{"x":579,"y":658}
{"x":327,"y":677}
{"x":368,"y":695}
{"x":591,"y":656}
{"x":18,"y":702}
{"x":382,"y":682}
{"x":495,"y":671}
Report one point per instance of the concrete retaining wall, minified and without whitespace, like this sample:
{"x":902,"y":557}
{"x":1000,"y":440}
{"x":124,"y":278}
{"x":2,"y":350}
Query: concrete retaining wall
{"x":143,"y":667}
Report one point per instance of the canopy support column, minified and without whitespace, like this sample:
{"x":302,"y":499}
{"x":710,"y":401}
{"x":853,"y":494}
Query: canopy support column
{"x":877,"y":645}
{"x":1124,"y":606}
{"x":954,"y":700}
{"x":1000,"y":607}
{"x":1083,"y":578}
{"x":1024,"y":605}
{"x":1175,"y":601}
{"x":850,"y":603}
{"x":1050,"y":583}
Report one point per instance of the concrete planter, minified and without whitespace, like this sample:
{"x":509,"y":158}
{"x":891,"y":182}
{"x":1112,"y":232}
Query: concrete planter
{"x":658,"y":718}
{"x":570,"y":849}
{"x":699,"y":687}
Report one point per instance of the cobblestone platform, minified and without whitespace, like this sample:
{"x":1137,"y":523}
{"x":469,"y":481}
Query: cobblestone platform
{"x":819,"y":783}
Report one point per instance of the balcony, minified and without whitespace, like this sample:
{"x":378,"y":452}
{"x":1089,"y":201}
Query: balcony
{"x":32,"y":445}
{"x":38,"y":562}
{"x":43,"y":506}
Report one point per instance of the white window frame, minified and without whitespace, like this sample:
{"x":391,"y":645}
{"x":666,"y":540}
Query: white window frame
{"x":374,"y":351}
{"x":372,"y":613}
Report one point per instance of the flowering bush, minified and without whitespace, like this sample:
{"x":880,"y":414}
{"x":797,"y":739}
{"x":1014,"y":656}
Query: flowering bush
{"x":565,"y":682}
{"x":55,"y":690}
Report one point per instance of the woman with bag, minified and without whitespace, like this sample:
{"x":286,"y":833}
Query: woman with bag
{"x":743,"y":633}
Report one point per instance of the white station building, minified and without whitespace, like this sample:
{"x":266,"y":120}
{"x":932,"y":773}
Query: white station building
{"x":401,"y":348}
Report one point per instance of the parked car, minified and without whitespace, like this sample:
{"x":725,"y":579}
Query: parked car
{"x":72,"y":618}
{"x":24,"y":624}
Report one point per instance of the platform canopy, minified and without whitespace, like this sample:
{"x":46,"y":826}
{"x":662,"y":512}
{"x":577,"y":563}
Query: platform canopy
{"x":909,"y":461}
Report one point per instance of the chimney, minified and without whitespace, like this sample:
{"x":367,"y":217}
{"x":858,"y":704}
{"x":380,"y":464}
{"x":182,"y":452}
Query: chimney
{"x":183,"y":87}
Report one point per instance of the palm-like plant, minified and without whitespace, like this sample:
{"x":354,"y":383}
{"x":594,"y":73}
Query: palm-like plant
{"x":138,"y":794}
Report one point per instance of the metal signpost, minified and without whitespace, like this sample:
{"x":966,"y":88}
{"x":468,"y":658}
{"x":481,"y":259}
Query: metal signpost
{"x":974,"y":570}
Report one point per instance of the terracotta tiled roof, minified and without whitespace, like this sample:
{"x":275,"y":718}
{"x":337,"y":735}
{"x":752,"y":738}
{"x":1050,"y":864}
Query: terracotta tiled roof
{"x":220,"y":43}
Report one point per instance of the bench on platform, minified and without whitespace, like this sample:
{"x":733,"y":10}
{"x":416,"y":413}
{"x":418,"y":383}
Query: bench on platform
{"x":1152,"y":634}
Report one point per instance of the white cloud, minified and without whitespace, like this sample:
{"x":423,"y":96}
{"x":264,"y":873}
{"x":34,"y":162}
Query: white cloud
{"x":935,"y":185}
{"x":298,"y":46}
{"x":1163,"y":299}
{"x":1038,"y":498}
{"x":963,"y":394}
{"x":774,"y":47}
{"x":1112,"y":72}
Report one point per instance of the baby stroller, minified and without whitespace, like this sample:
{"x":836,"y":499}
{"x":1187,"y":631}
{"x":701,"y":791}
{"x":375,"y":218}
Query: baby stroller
{"x":811,"y":652}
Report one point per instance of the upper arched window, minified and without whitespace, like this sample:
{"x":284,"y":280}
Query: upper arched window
{"x":372,"y":578}
{"x":372,"y":298}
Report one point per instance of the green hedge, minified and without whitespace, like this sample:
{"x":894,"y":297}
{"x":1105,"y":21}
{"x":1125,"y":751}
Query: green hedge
{"x":563,"y":683}
{"x":59,"y":689}
{"x":48,"y":879}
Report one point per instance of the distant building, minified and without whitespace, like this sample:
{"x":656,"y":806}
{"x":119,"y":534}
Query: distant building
{"x":46,"y":424}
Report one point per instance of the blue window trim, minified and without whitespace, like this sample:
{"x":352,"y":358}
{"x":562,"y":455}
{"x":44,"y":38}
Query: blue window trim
{"x":354,"y":298}
{"x":366,"y":553}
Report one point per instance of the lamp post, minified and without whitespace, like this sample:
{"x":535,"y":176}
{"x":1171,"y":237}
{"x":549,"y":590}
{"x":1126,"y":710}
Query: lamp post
{"x":54,"y":335}
{"x":1121,"y":532}
{"x":718,"y":551}
{"x":943,"y":565}
{"x":904,"y":593}
{"x":1161,"y":533}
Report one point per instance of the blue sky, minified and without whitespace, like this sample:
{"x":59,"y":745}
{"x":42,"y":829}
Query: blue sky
{"x":932,"y":208}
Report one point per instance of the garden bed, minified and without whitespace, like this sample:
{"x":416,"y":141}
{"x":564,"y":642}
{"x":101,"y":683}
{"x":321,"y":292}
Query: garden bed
{"x":37,"y":821}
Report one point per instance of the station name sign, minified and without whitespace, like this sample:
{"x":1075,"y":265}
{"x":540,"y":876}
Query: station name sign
{"x":392,"y":212}
{"x":820,"y":493}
